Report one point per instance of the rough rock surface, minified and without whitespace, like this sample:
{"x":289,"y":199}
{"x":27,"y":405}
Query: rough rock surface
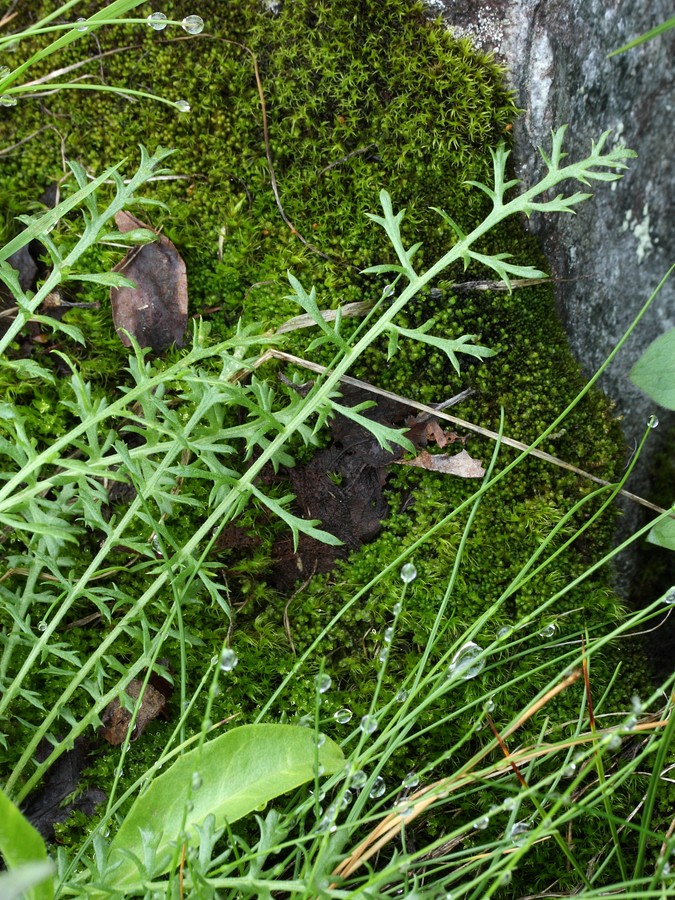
{"x":620,"y":244}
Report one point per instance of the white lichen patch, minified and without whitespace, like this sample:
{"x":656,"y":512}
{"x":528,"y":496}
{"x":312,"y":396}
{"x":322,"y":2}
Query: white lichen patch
{"x":639,"y":228}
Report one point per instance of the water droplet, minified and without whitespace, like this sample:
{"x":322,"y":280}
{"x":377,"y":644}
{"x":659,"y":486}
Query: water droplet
{"x":666,"y":870}
{"x":182,"y":106}
{"x":614,"y":742}
{"x":568,"y":771}
{"x":405,"y":810}
{"x":156,"y":546}
{"x":396,"y":609}
{"x":636,"y":704}
{"x":505,"y":878}
{"x":408,"y":573}
{"x":7,"y":100}
{"x":320,"y":741}
{"x":518,"y":832}
{"x":157,"y":20}
{"x":214,"y":660}
{"x":509,"y":803}
{"x":411,"y":780}
{"x":402,"y":696}
{"x":548,"y":631}
{"x":342,"y":716}
{"x":490,"y":706}
{"x":189,"y":806}
{"x":228,"y":660}
{"x":358,"y":779}
{"x":653,"y":422}
{"x":193,"y":24}
{"x":481,"y":824}
{"x":347,"y":798}
{"x":467,"y":662}
{"x":81,"y":27}
{"x":368,"y":724}
{"x":326,"y":824}
{"x":388,"y":635}
{"x":323,"y":682}
{"x":378,"y":788}
{"x":503,"y":633}
{"x":382,"y":655}
{"x":388,"y":290}
{"x":669,"y":597}
{"x":42,"y":626}
{"x":630,"y":723}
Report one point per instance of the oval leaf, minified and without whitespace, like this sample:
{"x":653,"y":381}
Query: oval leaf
{"x":24,"y":853}
{"x":654,"y":372}
{"x":237,"y":773}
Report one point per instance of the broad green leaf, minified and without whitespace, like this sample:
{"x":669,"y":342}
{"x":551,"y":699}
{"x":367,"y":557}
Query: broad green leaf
{"x":21,"y":845}
{"x":663,"y":534}
{"x":236,"y":773}
{"x":654,"y":372}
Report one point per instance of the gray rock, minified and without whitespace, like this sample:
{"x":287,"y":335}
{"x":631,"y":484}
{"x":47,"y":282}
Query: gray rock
{"x":619,"y":245}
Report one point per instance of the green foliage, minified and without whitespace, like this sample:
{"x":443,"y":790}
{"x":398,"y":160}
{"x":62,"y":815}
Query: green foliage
{"x":22,"y":846}
{"x":654,"y":372}
{"x":224,"y":780}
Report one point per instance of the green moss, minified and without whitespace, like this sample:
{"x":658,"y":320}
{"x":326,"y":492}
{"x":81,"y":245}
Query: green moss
{"x":360,"y":95}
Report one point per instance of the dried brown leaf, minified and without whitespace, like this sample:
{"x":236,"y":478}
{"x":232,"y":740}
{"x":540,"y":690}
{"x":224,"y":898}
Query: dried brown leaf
{"x":461,"y":464}
{"x":155,"y":312}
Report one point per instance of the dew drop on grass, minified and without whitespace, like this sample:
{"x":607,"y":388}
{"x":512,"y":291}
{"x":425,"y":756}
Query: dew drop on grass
{"x":378,"y":788}
{"x":467,"y":662}
{"x":7,"y":100}
{"x":382,"y":655}
{"x":548,"y":631}
{"x":358,"y":779}
{"x":411,"y":780}
{"x":396,"y":609}
{"x":346,"y":799}
{"x":636,"y":704}
{"x":196,"y":781}
{"x":481,"y":824}
{"x":368,"y":725}
{"x":320,"y":741}
{"x":228,"y":660}
{"x":653,"y":422}
{"x":42,"y":626}
{"x":505,"y":878}
{"x":568,"y":771}
{"x":402,"y":696}
{"x":214,"y":660}
{"x":669,"y":597}
{"x":79,"y":26}
{"x":490,"y":706}
{"x":408,"y":573}
{"x":192,"y":24}
{"x":518,"y":832}
{"x":503,"y":633}
{"x":342,"y":716}
{"x":323,"y":683}
{"x":182,"y":106}
{"x":157,"y":21}
{"x":614,"y":743}
{"x":509,"y":803}
{"x":388,"y":635}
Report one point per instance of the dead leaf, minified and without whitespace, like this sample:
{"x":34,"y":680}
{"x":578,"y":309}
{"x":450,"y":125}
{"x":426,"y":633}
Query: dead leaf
{"x":155,"y":312}
{"x":116,"y":718}
{"x":461,"y":464}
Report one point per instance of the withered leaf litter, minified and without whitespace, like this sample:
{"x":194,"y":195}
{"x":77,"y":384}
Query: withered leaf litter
{"x":342,"y":485}
{"x":155,"y":312}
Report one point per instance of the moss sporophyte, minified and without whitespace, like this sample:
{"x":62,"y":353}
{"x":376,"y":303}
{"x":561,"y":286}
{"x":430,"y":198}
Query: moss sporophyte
{"x":152,"y":494}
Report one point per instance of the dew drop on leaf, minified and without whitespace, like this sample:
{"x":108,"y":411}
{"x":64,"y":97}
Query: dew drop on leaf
{"x":323,"y":683}
{"x":378,"y":788}
{"x":411,"y":780}
{"x":408,"y":573}
{"x":467,"y":662}
{"x":157,"y":20}
{"x":228,"y":660}
{"x":368,"y":724}
{"x":192,"y":24}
